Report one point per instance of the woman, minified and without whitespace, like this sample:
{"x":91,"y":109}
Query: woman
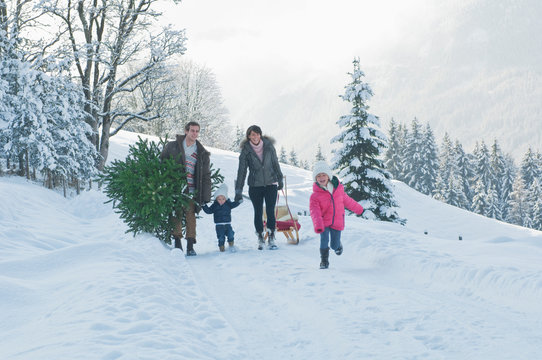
{"x":264,"y":180}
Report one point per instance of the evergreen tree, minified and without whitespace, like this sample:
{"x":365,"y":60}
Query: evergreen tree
{"x":483,"y":165}
{"x":455,"y":195}
{"x":239,"y":137}
{"x":534,"y":200}
{"x":447,"y":170}
{"x":146,"y":191}
{"x":529,"y":169}
{"x":517,"y":202}
{"x":293,"y":158}
{"x":44,"y":123}
{"x":507,"y":183}
{"x":479,"y":201}
{"x":430,"y":161}
{"x":498,"y":172}
{"x":494,"y":207}
{"x":403,"y":135}
{"x":465,"y":172}
{"x":357,"y":161}
{"x":319,"y":156}
{"x":392,"y":157}
{"x":414,"y":162}
{"x":536,"y":206}
{"x":283,"y":157}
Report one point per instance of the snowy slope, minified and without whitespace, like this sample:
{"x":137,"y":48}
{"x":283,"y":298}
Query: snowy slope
{"x":75,"y":286}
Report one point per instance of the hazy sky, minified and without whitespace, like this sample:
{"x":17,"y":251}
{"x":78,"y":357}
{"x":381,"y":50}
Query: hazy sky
{"x":262,"y":49}
{"x":282,"y":63}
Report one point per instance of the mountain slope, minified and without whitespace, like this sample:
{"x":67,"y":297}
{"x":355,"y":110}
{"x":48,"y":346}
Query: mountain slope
{"x":74,"y":285}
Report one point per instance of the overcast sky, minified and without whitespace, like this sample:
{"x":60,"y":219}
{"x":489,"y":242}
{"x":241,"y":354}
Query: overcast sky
{"x":281,"y":64}
{"x":258,"y":46}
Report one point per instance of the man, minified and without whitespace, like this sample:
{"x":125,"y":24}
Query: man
{"x":190,"y":153}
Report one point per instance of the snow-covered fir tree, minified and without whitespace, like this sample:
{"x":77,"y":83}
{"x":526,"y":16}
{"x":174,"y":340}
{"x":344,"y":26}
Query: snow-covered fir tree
{"x":535,"y":206}
{"x":494,"y":207}
{"x":430,"y":161}
{"x":283,"y":157}
{"x":358,"y":159}
{"x":479,"y":201}
{"x":534,"y":194}
{"x":447,"y":167}
{"x":392,"y":157}
{"x":465,"y":172}
{"x":402,"y":131}
{"x":319,"y":156}
{"x":44,"y":127}
{"x":529,"y":169}
{"x":293,"y":158}
{"x":518,"y":206}
{"x":498,"y":172}
{"x":414,"y":164}
{"x":483,"y":165}
{"x":509,"y":175}
{"x":239,"y":137}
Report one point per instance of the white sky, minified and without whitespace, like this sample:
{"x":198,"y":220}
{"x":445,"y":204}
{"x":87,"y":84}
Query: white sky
{"x":281,"y":64}
{"x":255,"y":47}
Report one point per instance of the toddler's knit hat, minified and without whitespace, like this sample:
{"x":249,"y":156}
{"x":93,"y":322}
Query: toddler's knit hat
{"x":222,"y":190}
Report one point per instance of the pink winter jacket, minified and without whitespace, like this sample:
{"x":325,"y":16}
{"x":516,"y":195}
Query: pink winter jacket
{"x":327,"y":210}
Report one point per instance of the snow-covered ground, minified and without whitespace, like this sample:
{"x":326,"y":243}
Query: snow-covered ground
{"x":73,"y":285}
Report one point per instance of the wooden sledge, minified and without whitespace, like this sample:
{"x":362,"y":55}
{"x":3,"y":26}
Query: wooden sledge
{"x":286,"y":222}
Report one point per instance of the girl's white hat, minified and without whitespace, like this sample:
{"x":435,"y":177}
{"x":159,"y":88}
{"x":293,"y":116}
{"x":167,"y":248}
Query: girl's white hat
{"x":222,"y":190}
{"x":321,"y":167}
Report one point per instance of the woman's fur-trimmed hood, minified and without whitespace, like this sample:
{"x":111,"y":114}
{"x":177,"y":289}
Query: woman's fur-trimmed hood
{"x":264,"y":137}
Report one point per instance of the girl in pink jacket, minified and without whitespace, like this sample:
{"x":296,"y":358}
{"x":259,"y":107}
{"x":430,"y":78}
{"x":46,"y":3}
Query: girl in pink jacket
{"x":327,"y":204}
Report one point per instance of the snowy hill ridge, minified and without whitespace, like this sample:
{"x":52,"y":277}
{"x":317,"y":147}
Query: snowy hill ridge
{"x":74,"y":285}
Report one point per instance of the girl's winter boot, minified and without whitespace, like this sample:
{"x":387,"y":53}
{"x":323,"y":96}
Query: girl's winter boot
{"x":324,"y":254}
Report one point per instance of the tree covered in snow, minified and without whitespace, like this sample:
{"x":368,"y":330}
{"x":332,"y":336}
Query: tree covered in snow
{"x":292,"y":160}
{"x":465,"y":172}
{"x":358,"y":159}
{"x":414,"y":166}
{"x":518,"y":205}
{"x":191,"y":93}
{"x":430,"y":161}
{"x":116,"y":47}
{"x":499,"y":180}
{"x":283,"y":157}
{"x":529,"y":168}
{"x":42,"y":114}
{"x":319,"y":155}
{"x":393,"y":155}
{"x":239,"y":137}
{"x":44,"y":127}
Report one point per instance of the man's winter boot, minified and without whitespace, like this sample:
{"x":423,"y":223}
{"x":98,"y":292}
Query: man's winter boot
{"x":261,"y":241}
{"x":324,"y":254}
{"x":221,"y":248}
{"x":190,"y":247}
{"x":339,"y":250}
{"x":177,"y":242}
{"x":231,"y":246}
{"x":271,"y":239}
